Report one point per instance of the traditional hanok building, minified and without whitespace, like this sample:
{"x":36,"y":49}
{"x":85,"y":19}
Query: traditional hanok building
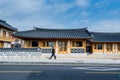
{"x":68,"y":41}
{"x":6,"y":32}
{"x":64,"y":40}
{"x":105,"y":43}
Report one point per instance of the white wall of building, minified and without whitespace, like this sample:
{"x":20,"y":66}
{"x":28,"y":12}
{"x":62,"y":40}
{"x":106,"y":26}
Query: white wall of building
{"x":7,"y":45}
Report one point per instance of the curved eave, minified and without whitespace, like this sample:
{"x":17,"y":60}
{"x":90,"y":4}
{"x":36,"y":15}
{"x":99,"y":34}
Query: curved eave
{"x":50,"y":38}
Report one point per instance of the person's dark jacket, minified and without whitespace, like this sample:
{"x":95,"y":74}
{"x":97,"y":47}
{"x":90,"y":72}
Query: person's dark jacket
{"x":53,"y":51}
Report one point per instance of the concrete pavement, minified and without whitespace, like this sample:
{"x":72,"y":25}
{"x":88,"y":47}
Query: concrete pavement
{"x":64,"y":59}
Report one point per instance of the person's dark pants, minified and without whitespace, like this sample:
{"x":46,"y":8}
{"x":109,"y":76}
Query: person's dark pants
{"x":52,"y":56}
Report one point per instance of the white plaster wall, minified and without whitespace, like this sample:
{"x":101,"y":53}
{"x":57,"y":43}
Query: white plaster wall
{"x":7,"y":45}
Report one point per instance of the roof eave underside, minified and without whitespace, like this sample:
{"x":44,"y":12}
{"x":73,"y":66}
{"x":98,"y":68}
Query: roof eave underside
{"x":50,"y":38}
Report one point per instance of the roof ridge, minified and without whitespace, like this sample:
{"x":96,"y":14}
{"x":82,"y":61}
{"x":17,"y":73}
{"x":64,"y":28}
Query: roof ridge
{"x":59,"y":29}
{"x":24,"y":31}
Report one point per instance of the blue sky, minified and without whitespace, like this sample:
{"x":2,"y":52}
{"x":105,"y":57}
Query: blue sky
{"x":97,"y":15}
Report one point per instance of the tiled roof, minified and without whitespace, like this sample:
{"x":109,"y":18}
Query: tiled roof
{"x":4,"y":24}
{"x":53,"y":33}
{"x":105,"y":37}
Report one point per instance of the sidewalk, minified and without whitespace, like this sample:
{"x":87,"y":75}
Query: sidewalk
{"x":63,"y":61}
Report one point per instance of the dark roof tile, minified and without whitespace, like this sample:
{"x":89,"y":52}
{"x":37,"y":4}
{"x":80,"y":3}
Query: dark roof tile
{"x":105,"y":37}
{"x":3,"y":23}
{"x":54,"y":33}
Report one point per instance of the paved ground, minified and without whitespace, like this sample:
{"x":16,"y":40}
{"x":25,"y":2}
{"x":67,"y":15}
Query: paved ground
{"x":64,"y":60}
{"x":59,"y":72}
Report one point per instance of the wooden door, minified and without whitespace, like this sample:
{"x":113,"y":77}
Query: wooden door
{"x":62,"y":47}
{"x":109,"y":48}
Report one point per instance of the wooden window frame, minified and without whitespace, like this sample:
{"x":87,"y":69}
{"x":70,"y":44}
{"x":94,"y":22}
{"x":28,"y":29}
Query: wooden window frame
{"x":74,"y":44}
{"x":96,"y":46}
{"x":45,"y":43}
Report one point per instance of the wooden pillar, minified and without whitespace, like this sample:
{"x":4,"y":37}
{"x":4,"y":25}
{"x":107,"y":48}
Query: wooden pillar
{"x":104,"y":48}
{"x":25,"y":44}
{"x":92,"y":45}
{"x":68,"y":46}
{"x":116,"y":48}
{"x":84,"y":44}
{"x":0,"y":44}
{"x":56,"y":46}
{"x":39,"y":44}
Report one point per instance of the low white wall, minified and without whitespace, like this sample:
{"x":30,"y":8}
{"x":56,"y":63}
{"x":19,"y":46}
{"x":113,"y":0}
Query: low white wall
{"x":21,"y":55}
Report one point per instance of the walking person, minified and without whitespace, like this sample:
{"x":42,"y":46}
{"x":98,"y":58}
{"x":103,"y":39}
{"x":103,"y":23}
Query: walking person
{"x":53,"y":53}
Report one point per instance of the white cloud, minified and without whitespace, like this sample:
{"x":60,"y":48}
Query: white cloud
{"x":106,"y":26}
{"x":34,"y":21}
{"x":102,"y":3}
{"x":114,"y":12}
{"x":62,"y":7}
{"x":84,"y":14}
{"x":11,"y":7}
{"x":21,"y":6}
{"x":84,"y":23}
{"x":39,"y":14}
{"x":26,"y":6}
{"x":83,"y":3}
{"x":98,"y":26}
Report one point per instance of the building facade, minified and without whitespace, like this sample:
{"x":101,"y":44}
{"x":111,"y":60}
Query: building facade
{"x":6,"y":32}
{"x":70,"y":41}
{"x":106,"y":43}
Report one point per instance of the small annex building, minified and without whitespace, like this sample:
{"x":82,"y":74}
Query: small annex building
{"x":105,"y":42}
{"x":69,"y":41}
{"x":6,"y":32}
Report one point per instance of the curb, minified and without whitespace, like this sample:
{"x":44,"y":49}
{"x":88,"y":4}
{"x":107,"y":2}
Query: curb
{"x":58,"y":63}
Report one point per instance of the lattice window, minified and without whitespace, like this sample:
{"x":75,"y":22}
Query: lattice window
{"x":77,"y":50}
